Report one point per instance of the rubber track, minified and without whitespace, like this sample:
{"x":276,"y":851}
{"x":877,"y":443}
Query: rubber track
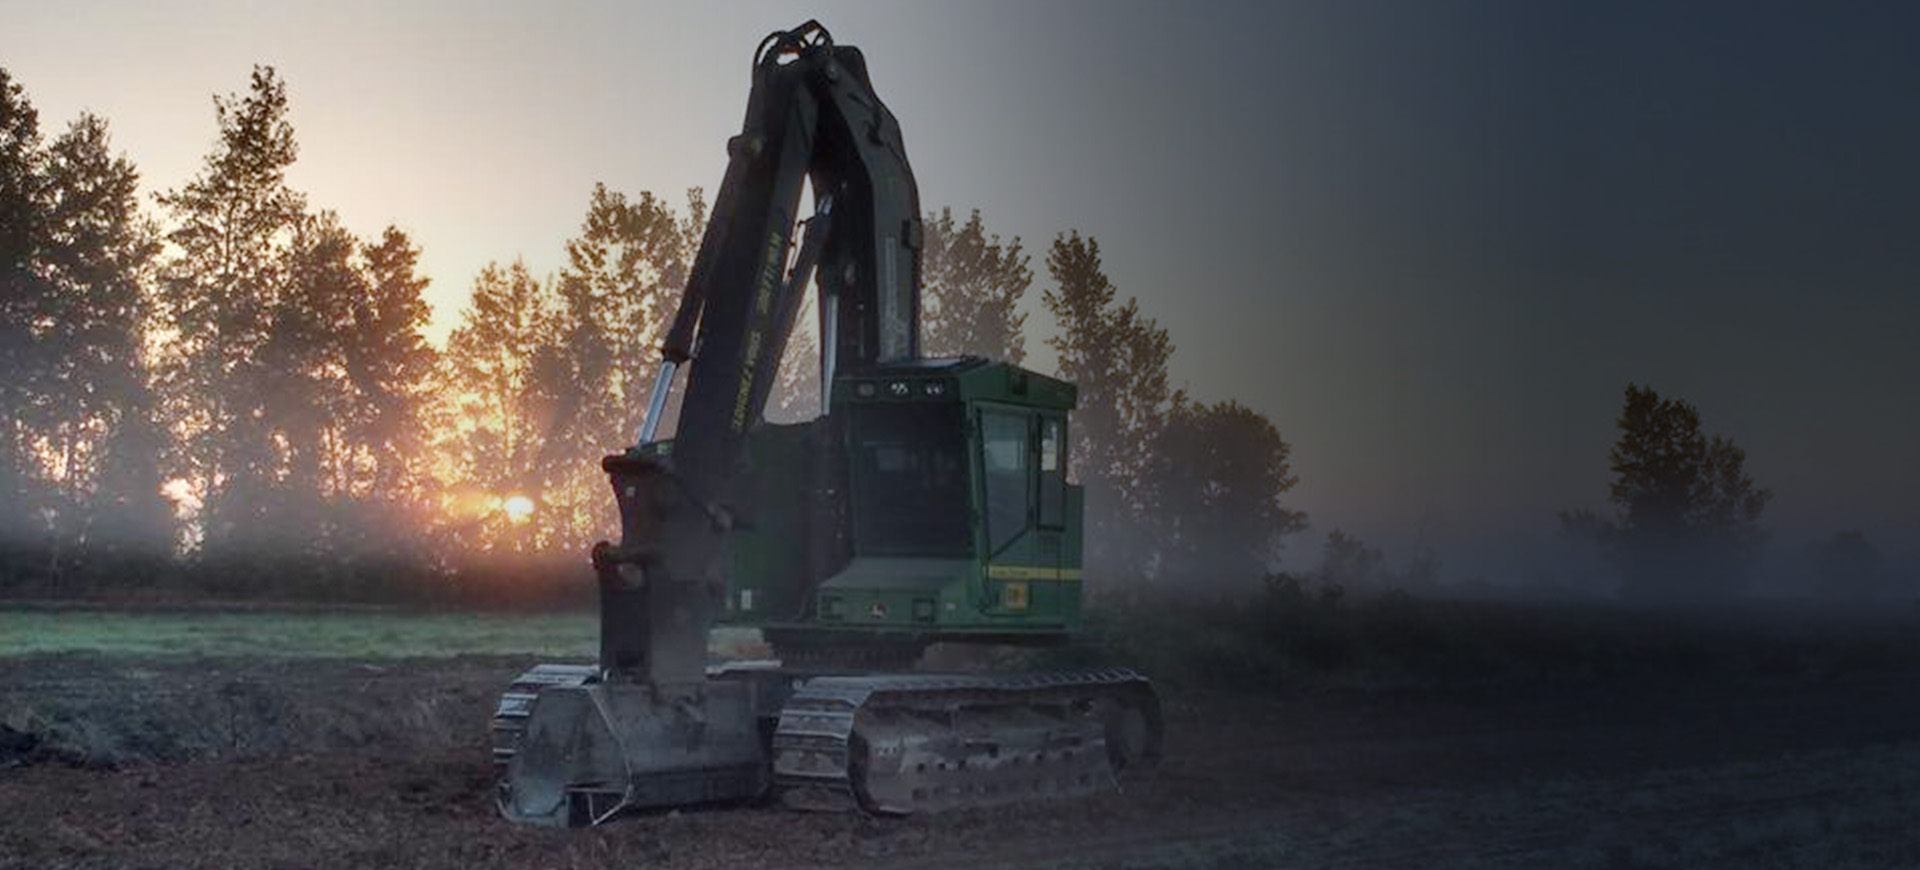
{"x":989,"y":738}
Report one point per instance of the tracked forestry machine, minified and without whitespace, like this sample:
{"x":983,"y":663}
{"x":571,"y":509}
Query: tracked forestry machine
{"x":927,"y":503}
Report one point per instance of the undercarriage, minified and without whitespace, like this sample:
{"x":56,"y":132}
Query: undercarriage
{"x":571,"y":750}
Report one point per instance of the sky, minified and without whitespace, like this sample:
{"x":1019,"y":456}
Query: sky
{"x":1432,"y":242}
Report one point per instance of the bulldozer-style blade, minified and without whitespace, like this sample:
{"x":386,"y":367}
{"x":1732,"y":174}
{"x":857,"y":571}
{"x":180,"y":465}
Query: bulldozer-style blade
{"x":589,"y":752}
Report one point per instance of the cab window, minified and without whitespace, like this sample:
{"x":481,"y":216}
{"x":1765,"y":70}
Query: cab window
{"x":910,"y":480}
{"x":1006,"y":461}
{"x":1053,"y":472}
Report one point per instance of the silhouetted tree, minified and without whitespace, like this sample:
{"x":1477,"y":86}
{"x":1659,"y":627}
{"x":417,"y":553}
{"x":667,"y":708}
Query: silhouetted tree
{"x":307,"y":397}
{"x":1688,"y":523}
{"x":390,"y":366}
{"x":492,"y":430}
{"x":972,"y":287}
{"x":599,"y":343}
{"x":1348,"y":563}
{"x":79,"y":482}
{"x":1351,"y":566}
{"x":233,"y":229}
{"x":574,"y":398}
{"x":626,"y":270}
{"x":1118,"y":358}
{"x":1220,"y":472}
{"x":98,"y":263}
{"x":24,"y":493}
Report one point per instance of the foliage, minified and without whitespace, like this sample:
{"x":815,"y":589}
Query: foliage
{"x":1346,"y":562}
{"x":1118,"y":358}
{"x":622,"y":283}
{"x":232,"y":241}
{"x":389,"y":366}
{"x":294,"y":370}
{"x":23,"y":303}
{"x":593,"y":370}
{"x":1349,"y":565}
{"x":1219,"y":473}
{"x":79,"y":448}
{"x":1191,"y":490}
{"x":253,"y":365}
{"x":493,"y":429}
{"x":1688,"y":523}
{"x":104,"y":412}
{"x":972,"y":289}
{"x":541,"y":379}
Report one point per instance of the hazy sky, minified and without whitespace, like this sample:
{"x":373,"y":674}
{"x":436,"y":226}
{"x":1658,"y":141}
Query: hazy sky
{"x":1432,"y":241}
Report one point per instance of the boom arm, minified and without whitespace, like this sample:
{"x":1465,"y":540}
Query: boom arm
{"x":812,"y":116}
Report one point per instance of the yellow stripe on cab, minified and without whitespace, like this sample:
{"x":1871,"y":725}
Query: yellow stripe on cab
{"x":1032,"y":572}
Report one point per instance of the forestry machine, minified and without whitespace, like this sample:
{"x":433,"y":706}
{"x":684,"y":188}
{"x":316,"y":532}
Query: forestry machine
{"x":927,"y":503}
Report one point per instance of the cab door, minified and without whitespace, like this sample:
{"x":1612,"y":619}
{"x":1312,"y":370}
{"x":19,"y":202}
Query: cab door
{"x":1024,"y":509}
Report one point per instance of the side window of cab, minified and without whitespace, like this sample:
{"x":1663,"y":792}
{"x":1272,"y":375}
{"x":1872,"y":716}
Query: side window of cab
{"x":1053,"y":472}
{"x":1006,"y":461}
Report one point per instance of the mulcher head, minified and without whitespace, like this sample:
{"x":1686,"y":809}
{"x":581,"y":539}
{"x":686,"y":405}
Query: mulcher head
{"x":589,"y":752}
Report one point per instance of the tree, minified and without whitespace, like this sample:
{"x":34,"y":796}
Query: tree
{"x":1221,"y":471}
{"x":390,"y":367}
{"x":542,"y":379}
{"x":1346,"y":562}
{"x":354,"y":364}
{"x":624,"y":275}
{"x":972,"y":287}
{"x":493,"y":430}
{"x":1118,"y":358}
{"x":23,"y":314}
{"x":1688,"y":521}
{"x":307,"y":391}
{"x":79,"y":449}
{"x":570,"y":401}
{"x":599,"y":338}
{"x":98,"y":263}
{"x":233,"y":232}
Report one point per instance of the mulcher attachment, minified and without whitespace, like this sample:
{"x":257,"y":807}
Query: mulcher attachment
{"x":571,"y":751}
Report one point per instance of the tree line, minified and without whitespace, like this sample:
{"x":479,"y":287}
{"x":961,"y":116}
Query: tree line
{"x":232,"y":394}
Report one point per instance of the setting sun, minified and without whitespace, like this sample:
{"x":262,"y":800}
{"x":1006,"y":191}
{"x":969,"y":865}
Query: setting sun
{"x":518,"y":508}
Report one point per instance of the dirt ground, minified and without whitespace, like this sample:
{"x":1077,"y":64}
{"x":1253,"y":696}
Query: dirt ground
{"x":345,"y":764}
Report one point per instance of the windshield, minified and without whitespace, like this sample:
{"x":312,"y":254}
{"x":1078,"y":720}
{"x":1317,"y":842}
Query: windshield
{"x":910,"y":481}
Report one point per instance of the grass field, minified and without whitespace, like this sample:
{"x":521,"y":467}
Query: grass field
{"x":315,"y":634}
{"x":297,"y":635}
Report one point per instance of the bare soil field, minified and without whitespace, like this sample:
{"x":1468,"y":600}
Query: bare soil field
{"x":111,"y":761}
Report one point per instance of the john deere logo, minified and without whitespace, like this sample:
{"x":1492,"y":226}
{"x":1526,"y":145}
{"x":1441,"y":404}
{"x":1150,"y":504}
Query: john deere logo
{"x":877,"y":610}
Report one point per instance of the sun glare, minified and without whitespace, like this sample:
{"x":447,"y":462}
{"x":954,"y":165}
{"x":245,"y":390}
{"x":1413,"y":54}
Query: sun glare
{"x":518,"y":508}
